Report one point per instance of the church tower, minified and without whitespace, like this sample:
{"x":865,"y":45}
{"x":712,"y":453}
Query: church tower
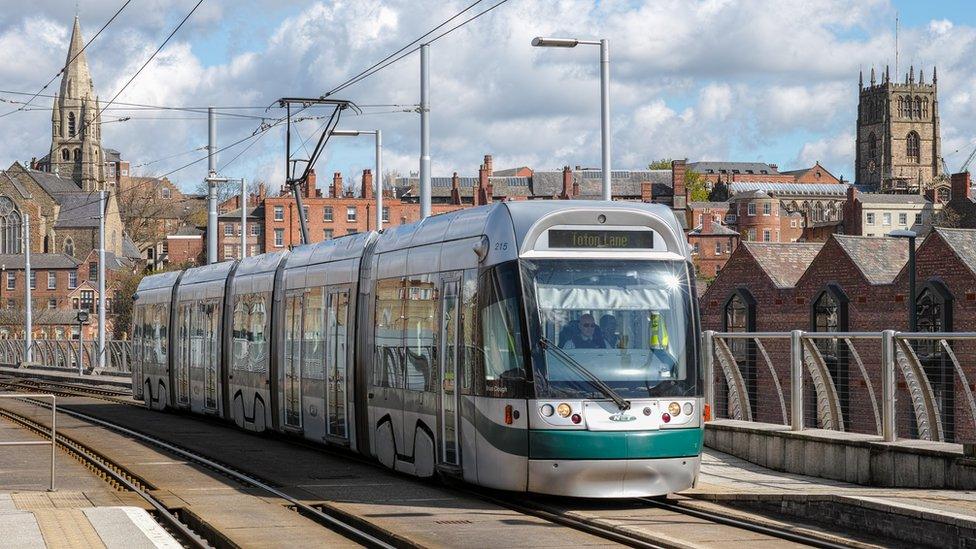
{"x":898,"y":144}
{"x":76,"y":129}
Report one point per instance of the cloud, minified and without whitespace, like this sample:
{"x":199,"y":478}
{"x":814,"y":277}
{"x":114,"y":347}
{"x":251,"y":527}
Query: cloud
{"x":705,"y":80}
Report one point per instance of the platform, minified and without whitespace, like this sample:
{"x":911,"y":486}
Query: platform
{"x":917,"y":517}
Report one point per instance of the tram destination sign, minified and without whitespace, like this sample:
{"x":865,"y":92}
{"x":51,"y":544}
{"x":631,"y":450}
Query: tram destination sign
{"x":597,"y":238}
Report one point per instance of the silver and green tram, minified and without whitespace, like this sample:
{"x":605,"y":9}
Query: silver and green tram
{"x":541,"y":346}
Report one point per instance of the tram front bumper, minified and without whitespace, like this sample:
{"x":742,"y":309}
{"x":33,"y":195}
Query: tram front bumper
{"x":615,"y":478}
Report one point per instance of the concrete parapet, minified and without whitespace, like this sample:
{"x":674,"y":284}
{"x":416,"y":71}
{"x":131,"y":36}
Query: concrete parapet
{"x":849,"y":457}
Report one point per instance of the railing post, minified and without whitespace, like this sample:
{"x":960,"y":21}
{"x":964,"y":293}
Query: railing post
{"x":796,"y":380}
{"x":888,"y":384}
{"x":708,"y":350}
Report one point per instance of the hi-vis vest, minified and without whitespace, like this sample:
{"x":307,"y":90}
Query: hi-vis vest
{"x":659,"y":332}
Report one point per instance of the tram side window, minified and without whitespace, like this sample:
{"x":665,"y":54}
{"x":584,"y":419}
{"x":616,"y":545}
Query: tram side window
{"x":471,"y":368}
{"x":501,"y":332}
{"x":257,"y":333}
{"x":314,"y":337}
{"x":137,"y":344}
{"x":198,"y":329}
{"x":239,"y":333}
{"x":160,"y":319}
{"x":420,"y":319}
{"x":388,"y":323}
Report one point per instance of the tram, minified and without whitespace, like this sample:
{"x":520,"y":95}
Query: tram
{"x":539,"y":346}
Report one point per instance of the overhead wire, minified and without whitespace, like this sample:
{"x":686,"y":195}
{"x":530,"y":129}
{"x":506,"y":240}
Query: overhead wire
{"x":60,"y":72}
{"x":144,"y":65}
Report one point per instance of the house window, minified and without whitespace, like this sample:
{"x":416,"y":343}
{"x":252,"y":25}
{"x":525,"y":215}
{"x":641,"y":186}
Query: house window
{"x":228,"y":251}
{"x":792,"y":223}
{"x":228,"y":229}
{"x":279,"y":238}
{"x":52,"y":280}
{"x":912,"y":147}
{"x":166,"y":193}
{"x":255,"y":229}
{"x":767,"y":208}
{"x":33,"y":280}
{"x":751,"y":208}
{"x":918,"y":218}
{"x":903,"y":219}
{"x":165,"y":247}
{"x":93,"y":271}
{"x":886,"y":218}
{"x":699,"y":219}
{"x":350,"y":213}
{"x":767,"y":235}
{"x":751,"y":235}
{"x":327,"y":214}
{"x":327,"y":234}
{"x":718,"y":248}
{"x":87,"y":300}
{"x":11,"y":304}
{"x":386,"y":214}
{"x":869,"y":218}
{"x":694,"y":249}
{"x":279,"y":213}
{"x":11,"y":280}
{"x":52,"y":303}
{"x":72,"y":280}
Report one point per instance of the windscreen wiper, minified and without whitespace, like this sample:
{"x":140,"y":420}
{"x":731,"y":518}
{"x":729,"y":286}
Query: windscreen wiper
{"x":570,"y":361}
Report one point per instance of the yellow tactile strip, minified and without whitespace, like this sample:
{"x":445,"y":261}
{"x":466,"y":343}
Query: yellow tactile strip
{"x":32,"y":501}
{"x":68,"y":528}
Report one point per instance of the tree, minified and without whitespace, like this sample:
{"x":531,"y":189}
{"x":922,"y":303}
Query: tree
{"x":948,"y":218}
{"x":697,"y":186}
{"x":662,"y":164}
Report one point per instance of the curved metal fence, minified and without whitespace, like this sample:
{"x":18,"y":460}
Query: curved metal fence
{"x":67,"y":354}
{"x":893,"y":384}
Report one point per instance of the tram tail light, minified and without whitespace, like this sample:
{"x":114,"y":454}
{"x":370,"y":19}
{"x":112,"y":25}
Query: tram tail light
{"x":707,"y":415}
{"x":508,"y":414}
{"x":666,"y":417}
{"x":576,"y":419}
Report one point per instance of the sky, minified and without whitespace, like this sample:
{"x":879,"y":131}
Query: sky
{"x":772,"y":81}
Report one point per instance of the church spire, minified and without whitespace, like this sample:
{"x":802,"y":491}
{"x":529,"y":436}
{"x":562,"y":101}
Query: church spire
{"x":76,"y":82}
{"x":872,"y":77}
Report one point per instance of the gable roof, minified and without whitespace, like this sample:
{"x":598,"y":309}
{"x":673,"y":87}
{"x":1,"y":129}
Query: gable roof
{"x":39,"y":261}
{"x":877,"y":198}
{"x":879,"y":259}
{"x":623,"y":182}
{"x":803,"y":171}
{"x":52,"y":183}
{"x":963,"y":242}
{"x":79,"y":209}
{"x":783,"y":263}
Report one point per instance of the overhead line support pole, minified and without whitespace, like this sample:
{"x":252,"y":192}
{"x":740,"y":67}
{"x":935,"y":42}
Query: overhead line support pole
{"x":212,"y":186}
{"x":101,"y":280}
{"x":29,"y":321}
{"x":424,"y":131}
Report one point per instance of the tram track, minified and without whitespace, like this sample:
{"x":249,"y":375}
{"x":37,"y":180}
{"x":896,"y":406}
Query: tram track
{"x":556,"y":514}
{"x":200,"y":535}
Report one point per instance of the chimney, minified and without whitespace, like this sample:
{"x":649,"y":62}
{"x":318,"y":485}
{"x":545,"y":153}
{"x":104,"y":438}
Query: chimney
{"x":567,"y":184}
{"x":310,"y":184}
{"x":455,"y":189}
{"x":484,"y":190}
{"x":680,"y":201}
{"x":262,"y":192}
{"x":774,"y":167}
{"x":707,"y":223}
{"x":488,"y":165}
{"x":852,"y":212}
{"x":961,"y":185}
{"x":337,"y":185}
{"x":367,"y":184}
{"x":647,"y":191}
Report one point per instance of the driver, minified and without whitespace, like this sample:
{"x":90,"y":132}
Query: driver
{"x":587,"y":337}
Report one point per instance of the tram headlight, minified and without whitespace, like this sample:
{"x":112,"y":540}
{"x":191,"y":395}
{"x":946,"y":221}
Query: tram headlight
{"x":688,"y":408}
{"x":564,"y":409}
{"x":547,"y":410}
{"x":674,"y":408}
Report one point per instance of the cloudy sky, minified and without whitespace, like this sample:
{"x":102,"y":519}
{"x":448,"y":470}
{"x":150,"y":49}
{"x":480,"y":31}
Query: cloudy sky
{"x":772,"y":81}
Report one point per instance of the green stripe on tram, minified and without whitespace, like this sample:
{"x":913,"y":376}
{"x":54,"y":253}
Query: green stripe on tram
{"x":666,"y":443}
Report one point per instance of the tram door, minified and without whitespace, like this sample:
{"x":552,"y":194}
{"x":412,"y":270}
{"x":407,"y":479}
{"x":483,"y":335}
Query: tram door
{"x":448,"y":398}
{"x":291,"y":381}
{"x":186,"y":353}
{"x":338,"y":325}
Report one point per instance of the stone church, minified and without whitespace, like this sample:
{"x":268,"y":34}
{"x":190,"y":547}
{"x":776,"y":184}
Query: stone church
{"x":899,"y":149}
{"x":58,"y":190}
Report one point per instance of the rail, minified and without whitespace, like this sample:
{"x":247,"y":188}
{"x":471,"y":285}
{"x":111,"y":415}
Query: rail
{"x":914,"y":385}
{"x":52,"y":442}
{"x":67,"y":354}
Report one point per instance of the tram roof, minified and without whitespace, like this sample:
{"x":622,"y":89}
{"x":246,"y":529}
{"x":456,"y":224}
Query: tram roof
{"x":160,"y":280}
{"x":334,"y":249}
{"x":257,"y":264}
{"x":207,"y":273}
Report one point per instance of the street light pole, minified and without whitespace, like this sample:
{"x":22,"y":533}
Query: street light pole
{"x":604,"y":44}
{"x":243,"y":217}
{"x":101,"y":280}
{"x":29,"y":321}
{"x":912,"y":306}
{"x":424,"y":131}
{"x":377,"y":178}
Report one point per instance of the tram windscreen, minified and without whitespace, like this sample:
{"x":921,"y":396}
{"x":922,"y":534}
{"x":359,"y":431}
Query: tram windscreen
{"x":627,"y":322}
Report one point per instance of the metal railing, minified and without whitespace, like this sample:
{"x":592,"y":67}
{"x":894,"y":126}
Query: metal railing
{"x":69,"y":355}
{"x":52,"y":442}
{"x":893,"y":384}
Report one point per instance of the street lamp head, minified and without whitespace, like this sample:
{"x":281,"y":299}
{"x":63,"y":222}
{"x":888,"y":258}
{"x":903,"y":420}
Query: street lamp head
{"x":902,"y":233}
{"x":541,"y":42}
{"x":345,"y":133}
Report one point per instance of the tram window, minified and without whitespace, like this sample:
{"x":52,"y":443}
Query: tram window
{"x":239,"y":331}
{"x":501,"y":331}
{"x":314,"y":338}
{"x":257,"y":335}
{"x":159,"y":331}
{"x":338,"y":315}
{"x":388,"y":323}
{"x":471,"y":369}
{"x":420,"y":322}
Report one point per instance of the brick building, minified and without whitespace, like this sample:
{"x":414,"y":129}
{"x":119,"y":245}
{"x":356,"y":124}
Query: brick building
{"x":759,"y":217}
{"x":186,"y":246}
{"x":813,"y":174}
{"x":849,"y":283}
{"x":712,"y":243}
{"x":727,"y":172}
{"x":962,"y":203}
{"x":869,"y":214}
